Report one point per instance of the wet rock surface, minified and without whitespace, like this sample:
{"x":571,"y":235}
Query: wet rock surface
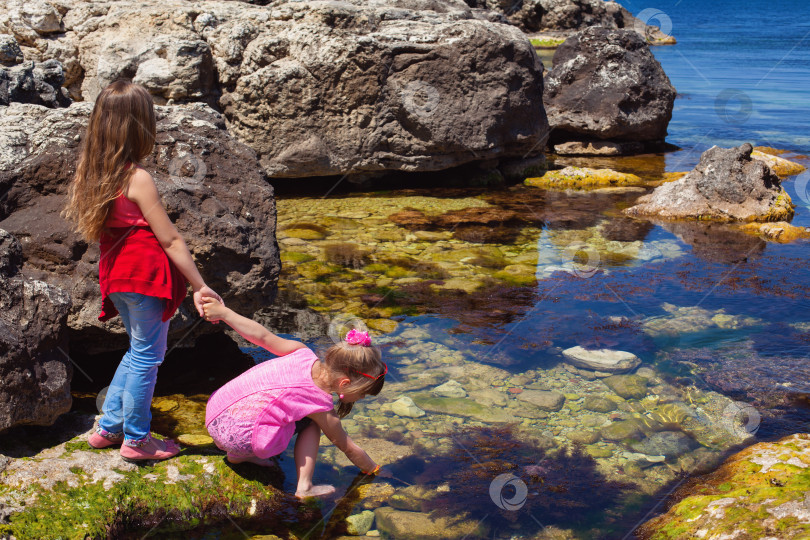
{"x":606,"y":85}
{"x":214,"y":192}
{"x":726,"y":185}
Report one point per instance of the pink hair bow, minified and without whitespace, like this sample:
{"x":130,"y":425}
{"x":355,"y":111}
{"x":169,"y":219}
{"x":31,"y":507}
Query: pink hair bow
{"x":355,"y":337}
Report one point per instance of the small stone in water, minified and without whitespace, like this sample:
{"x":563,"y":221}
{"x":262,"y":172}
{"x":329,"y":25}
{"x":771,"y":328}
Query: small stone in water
{"x":405,"y":406}
{"x":451,"y":389}
{"x":190,"y":439}
{"x":515,"y":390}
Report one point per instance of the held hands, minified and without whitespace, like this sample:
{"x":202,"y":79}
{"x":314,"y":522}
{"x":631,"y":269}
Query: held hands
{"x":213,"y":310}
{"x":207,"y":291}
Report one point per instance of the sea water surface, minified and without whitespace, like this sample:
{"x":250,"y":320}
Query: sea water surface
{"x":486,"y":286}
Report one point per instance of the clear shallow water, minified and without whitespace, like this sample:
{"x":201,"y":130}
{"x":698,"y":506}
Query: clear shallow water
{"x":720,"y":319}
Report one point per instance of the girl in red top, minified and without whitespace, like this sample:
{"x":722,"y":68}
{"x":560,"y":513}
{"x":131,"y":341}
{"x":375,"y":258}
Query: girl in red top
{"x":144,"y":262}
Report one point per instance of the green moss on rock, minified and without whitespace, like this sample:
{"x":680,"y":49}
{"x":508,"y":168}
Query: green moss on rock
{"x":761,"y":492}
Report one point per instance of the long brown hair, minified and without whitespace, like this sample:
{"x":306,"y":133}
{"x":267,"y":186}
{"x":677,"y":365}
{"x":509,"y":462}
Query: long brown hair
{"x":351,"y":361}
{"x":120,"y":133}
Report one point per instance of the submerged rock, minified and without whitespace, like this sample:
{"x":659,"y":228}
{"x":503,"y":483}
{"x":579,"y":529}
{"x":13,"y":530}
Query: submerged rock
{"x":726,"y":185}
{"x":605,"y":360}
{"x":544,"y":400}
{"x":461,"y":407}
{"x":574,"y":177}
{"x":667,"y":443}
{"x":35,"y":366}
{"x":452,"y":389}
{"x":621,"y":430}
{"x":405,"y":406}
{"x":607,"y":85}
{"x":687,"y":319}
{"x":759,"y":492}
{"x":599,"y":404}
{"x":627,"y":386}
{"x":360,"y":524}
{"x":422,"y":526}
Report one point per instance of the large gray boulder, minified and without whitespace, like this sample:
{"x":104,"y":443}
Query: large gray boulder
{"x":30,"y":82}
{"x":35,"y":368}
{"x":726,"y":185}
{"x":211,"y":185}
{"x":355,"y":88}
{"x":317,"y":88}
{"x":607,"y":85}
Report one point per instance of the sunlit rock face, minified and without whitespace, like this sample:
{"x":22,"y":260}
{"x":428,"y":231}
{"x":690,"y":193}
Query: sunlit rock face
{"x":316,"y":88}
{"x":726,"y":185}
{"x":607,"y":85}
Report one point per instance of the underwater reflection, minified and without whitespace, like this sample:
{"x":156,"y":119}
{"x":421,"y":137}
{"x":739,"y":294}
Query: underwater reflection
{"x":716,"y":242}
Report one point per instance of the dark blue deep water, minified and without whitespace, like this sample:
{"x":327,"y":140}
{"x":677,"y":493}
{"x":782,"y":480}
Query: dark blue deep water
{"x":741,"y":71}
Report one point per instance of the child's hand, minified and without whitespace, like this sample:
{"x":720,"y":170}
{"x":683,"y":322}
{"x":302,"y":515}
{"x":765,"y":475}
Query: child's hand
{"x":213,"y":309}
{"x":385,"y":473}
{"x":198,"y":298}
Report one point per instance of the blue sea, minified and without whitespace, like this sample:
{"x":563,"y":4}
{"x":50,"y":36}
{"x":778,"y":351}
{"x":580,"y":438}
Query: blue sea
{"x":741,"y":71}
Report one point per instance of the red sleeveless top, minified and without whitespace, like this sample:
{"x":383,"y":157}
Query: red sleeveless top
{"x":132,"y":260}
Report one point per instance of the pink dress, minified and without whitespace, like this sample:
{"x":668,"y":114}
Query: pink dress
{"x":255,"y":413}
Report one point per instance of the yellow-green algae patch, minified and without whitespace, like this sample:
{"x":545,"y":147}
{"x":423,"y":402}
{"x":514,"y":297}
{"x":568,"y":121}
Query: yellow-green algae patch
{"x":781,"y":210}
{"x":780,"y":166}
{"x":580,"y":177}
{"x":759,"y":492}
{"x":546,"y":42}
{"x":779,"y":231}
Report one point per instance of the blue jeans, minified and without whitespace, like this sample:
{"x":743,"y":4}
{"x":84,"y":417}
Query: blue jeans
{"x":129,"y":396}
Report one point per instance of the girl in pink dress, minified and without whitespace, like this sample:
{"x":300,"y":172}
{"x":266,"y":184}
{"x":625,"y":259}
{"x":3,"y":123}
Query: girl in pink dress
{"x":254,"y":416}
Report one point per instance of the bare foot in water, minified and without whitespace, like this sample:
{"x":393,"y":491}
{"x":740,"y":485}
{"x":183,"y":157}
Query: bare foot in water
{"x":269,"y":462}
{"x":315,"y":491}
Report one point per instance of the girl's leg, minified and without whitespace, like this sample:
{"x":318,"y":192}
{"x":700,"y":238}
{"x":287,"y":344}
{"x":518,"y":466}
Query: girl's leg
{"x":306,"y":452}
{"x":112,"y":421}
{"x":147,"y":345}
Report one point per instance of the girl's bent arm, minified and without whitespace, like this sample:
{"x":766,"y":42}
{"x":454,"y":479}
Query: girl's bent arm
{"x":249,"y":329}
{"x":329,"y":422}
{"x":143,"y":192}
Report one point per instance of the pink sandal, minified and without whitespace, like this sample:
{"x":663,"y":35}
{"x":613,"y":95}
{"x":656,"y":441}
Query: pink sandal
{"x":148,"y":449}
{"x":102,"y":438}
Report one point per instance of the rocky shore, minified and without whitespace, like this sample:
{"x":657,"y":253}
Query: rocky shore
{"x":263,"y":93}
